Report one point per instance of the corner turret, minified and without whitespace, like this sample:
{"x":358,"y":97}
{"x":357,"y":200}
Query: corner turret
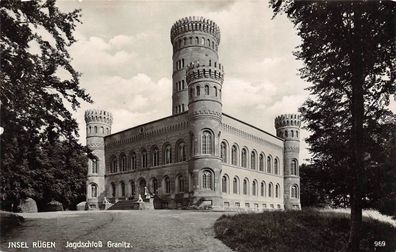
{"x":288,"y":128}
{"x":98,"y":123}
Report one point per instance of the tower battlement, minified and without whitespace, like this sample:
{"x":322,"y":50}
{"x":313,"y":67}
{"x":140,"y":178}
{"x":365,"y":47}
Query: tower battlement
{"x":195,"y":24}
{"x":288,"y":120}
{"x":98,"y":116}
{"x":197,"y":71}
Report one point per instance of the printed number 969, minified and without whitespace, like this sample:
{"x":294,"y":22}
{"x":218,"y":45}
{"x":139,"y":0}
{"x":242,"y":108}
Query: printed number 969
{"x":379,"y":243}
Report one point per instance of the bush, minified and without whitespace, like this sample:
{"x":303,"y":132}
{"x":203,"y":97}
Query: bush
{"x":307,"y":230}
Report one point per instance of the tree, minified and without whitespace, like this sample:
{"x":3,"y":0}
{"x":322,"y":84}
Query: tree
{"x":38,"y":85}
{"x":348,"y":54}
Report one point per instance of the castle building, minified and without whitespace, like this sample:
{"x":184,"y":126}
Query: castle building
{"x":198,"y":155}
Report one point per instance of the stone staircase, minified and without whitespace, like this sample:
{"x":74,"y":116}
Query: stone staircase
{"x":132,"y":205}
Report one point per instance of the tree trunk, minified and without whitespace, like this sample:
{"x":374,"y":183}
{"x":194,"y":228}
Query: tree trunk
{"x":357,"y":137}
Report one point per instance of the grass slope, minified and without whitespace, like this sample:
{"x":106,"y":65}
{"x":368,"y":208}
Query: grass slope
{"x":306,"y":230}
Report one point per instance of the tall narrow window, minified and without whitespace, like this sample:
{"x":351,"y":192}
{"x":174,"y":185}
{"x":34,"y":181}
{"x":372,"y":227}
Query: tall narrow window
{"x":96,"y":129}
{"x":181,"y":154}
{"x":245,"y":186}
{"x":144,"y":159}
{"x":113,"y":190}
{"x":269,"y":167}
{"x":155,"y":157}
{"x":293,"y":167}
{"x":123,"y":164}
{"x":262,"y":189}
{"x":94,"y":165}
{"x":253,"y":160}
{"x":234,"y":154}
{"x":133,"y":161}
{"x":94,"y":190}
{"x":122,"y":189}
{"x":277,"y":191}
{"x":207,"y":180}
{"x":294,"y":191}
{"x":168,"y":154}
{"x":276,"y":166}
{"x":154,"y":184}
{"x":113,"y":167}
{"x":203,"y":41}
{"x":235,"y":186}
{"x":198,"y":90}
{"x":261,"y":162}
{"x":223,"y":152}
{"x":215,"y":91}
{"x":270,"y":190}
{"x":244,"y":158}
{"x":224,"y":184}
{"x":132,"y":184}
{"x":254,"y":188}
{"x":180,"y":183}
{"x":206,"y":142}
{"x":167,"y":184}
{"x":197,"y":40}
{"x":206,"y":90}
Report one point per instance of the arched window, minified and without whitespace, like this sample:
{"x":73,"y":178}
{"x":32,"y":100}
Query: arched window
{"x":223,"y":152}
{"x":276,"y":166}
{"x":294,"y":192}
{"x":213,"y":45}
{"x":292,"y":133}
{"x":262,"y":189}
{"x":191,"y":40}
{"x":95,"y":165}
{"x":245,"y":187}
{"x":123,"y":162}
{"x":269,"y":166}
{"x":133,"y":190}
{"x":208,"y":43}
{"x":198,"y":90}
{"x":102,"y":130}
{"x":155,"y":156}
{"x":133,"y":160}
{"x":167,"y":184}
{"x":113,"y":190}
{"x":215,"y":91}
{"x":206,"y":142}
{"x":203,"y":41}
{"x":207,"y":180}
{"x":122,"y":185}
{"x":235,"y":185}
{"x":181,"y":152}
{"x":185,"y":41}
{"x":197,"y":40}
{"x":144,"y":159}
{"x":224,"y":184}
{"x":254,"y":188}
{"x":206,"y":90}
{"x":286,"y":133}
{"x":261,"y":162}
{"x":234,"y":155}
{"x":94,"y":190}
{"x":154,"y":185}
{"x":96,"y":129}
{"x":168,"y":154}
{"x":113,"y":166}
{"x":270,"y":190}
{"x":180,"y":183}
{"x":253,"y":160}
{"x":296,"y":133}
{"x":277,"y":191}
{"x":244,"y":158}
{"x":293,"y":167}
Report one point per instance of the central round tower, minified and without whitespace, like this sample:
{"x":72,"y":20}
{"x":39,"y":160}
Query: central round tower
{"x":194,"y":39}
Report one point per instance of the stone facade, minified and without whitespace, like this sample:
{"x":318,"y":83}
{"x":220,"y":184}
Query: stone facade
{"x":198,"y":155}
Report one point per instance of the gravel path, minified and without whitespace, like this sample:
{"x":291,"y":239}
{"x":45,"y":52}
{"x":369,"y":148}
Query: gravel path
{"x":158,"y":230}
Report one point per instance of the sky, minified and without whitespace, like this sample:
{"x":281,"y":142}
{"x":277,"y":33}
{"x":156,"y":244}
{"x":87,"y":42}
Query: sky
{"x":125,"y":56}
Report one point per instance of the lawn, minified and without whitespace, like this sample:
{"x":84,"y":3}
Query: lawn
{"x":306,"y":230}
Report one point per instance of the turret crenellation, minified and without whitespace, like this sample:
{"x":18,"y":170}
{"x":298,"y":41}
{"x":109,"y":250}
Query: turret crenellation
{"x":195,"y":24}
{"x":286,"y":120}
{"x":98,"y":116}
{"x":197,"y":71}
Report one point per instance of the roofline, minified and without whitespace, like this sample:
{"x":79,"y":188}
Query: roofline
{"x":164,"y":118}
{"x":254,"y":127}
{"x":140,"y":125}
